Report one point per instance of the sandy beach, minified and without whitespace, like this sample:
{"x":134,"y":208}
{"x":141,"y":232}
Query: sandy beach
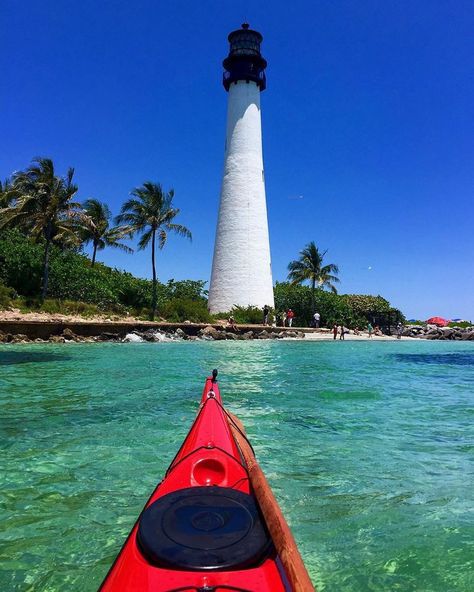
{"x":327,"y":336}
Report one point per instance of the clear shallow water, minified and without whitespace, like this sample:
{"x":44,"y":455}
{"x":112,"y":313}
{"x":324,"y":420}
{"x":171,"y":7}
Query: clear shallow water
{"x":369,"y":448}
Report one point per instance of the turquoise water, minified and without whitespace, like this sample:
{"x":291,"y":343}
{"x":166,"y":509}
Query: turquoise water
{"x":369,"y":448}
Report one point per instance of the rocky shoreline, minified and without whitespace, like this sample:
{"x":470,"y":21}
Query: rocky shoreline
{"x":154,"y":335}
{"x":129,"y":332}
{"x":440,"y":333}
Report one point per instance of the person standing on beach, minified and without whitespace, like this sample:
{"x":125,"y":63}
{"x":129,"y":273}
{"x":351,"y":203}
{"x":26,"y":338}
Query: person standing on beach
{"x":399,"y":330}
{"x":370,"y":329}
{"x":232,"y":324}
{"x":290,"y":316}
{"x":283,"y":319}
{"x":343,"y":331}
{"x":316,"y":319}
{"x":334,"y":331}
{"x":266,"y":310}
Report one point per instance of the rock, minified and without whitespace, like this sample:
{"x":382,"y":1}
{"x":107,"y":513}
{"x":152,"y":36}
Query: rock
{"x":248,"y":335}
{"x":20,"y":338}
{"x":263,"y":335}
{"x":149,"y":335}
{"x":209,"y":332}
{"x":231,"y":336}
{"x":180,"y":333}
{"x":192,"y":337}
{"x":132,"y":338}
{"x":212,"y":333}
{"x":69,"y":335}
{"x":291,"y":334}
{"x":109,"y":337}
{"x":56,"y":339}
{"x":447,"y":332}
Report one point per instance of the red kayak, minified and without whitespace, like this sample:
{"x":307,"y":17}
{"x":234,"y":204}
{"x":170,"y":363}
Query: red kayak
{"x":212,"y":524}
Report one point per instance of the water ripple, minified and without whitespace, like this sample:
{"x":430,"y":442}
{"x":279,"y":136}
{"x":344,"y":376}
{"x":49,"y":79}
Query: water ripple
{"x":368,"y":446}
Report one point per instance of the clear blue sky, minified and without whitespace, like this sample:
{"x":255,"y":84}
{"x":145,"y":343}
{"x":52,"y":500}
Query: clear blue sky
{"x":368,"y":128}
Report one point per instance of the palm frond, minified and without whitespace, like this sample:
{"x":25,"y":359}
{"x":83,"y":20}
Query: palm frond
{"x":309,"y":267}
{"x":145,"y":239}
{"x":180,"y":230}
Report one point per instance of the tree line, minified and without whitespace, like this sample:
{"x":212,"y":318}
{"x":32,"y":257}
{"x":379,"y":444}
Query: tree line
{"x":44,"y":227}
{"x":43,"y":206}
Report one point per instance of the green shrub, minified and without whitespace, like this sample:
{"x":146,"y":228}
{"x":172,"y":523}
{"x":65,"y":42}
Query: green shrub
{"x":72,"y":279}
{"x":184,"y":289}
{"x":6,"y":295}
{"x":349,"y":309}
{"x":179,"y":310}
{"x":65,"y":307}
{"x":20,"y":263}
{"x":250,"y":315}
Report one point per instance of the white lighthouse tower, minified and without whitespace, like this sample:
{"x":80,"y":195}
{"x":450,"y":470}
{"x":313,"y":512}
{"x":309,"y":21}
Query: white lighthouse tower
{"x":241,"y":267}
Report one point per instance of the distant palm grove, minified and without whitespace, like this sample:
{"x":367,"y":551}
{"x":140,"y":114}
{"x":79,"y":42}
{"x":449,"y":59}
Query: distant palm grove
{"x":44,"y":228}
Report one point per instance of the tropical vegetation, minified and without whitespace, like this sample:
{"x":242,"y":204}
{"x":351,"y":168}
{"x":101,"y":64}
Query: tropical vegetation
{"x":309,"y":268}
{"x":150,"y":214}
{"x":44,"y":228}
{"x":42,"y":206}
{"x":39,"y":212}
{"x":95,"y":228}
{"x":351,"y":310}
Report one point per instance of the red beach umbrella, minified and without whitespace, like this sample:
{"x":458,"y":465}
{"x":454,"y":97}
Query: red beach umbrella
{"x":437,"y":321}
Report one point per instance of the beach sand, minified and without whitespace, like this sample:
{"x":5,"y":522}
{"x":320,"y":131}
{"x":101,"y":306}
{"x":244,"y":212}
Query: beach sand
{"x":327,"y":336}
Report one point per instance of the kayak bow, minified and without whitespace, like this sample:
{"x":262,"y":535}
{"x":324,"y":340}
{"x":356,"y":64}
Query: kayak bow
{"x":212,"y":524}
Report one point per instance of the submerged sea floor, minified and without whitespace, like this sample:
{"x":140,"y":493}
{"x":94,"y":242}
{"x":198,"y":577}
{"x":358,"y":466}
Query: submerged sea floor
{"x":369,"y":448}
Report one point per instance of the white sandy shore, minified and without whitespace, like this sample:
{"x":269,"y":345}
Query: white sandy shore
{"x":327,"y":336}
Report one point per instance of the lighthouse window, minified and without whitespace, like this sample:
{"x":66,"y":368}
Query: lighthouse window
{"x":245,"y":43}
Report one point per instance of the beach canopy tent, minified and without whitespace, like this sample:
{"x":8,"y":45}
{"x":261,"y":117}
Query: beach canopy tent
{"x":437,"y":321}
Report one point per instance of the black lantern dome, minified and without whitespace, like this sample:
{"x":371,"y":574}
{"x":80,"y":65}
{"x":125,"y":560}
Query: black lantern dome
{"x":245,"y":62}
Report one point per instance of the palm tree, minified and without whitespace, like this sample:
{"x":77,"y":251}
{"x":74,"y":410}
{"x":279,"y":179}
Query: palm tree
{"x":6,"y":194}
{"x":150,"y":212}
{"x":95,"y":228}
{"x":43,"y":206}
{"x":309,"y":267}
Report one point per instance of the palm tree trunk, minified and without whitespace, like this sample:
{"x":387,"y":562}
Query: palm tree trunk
{"x":154,"y":296}
{"x":313,"y":283}
{"x":44,"y":289}
{"x":93,"y":254}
